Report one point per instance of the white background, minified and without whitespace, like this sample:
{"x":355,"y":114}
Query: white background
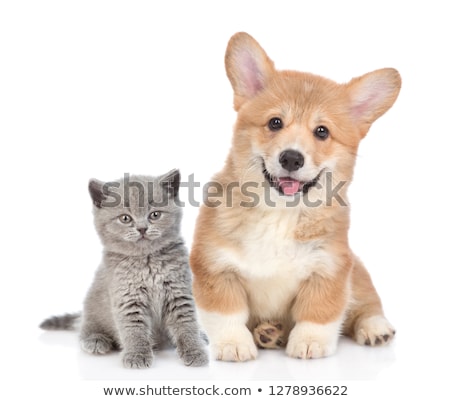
{"x":103,"y":88}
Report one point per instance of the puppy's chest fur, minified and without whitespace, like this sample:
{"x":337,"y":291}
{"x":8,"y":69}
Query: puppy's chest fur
{"x":273,"y":263}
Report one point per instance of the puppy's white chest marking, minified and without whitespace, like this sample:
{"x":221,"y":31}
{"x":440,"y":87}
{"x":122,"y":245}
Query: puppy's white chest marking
{"x":268,"y":249}
{"x":273,"y":263}
{"x":274,"y":270}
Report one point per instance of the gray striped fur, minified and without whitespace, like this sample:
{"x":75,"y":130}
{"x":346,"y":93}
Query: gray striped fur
{"x":141,"y":295}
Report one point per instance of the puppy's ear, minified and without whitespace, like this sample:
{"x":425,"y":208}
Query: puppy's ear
{"x":371,"y":95}
{"x":248,"y":67}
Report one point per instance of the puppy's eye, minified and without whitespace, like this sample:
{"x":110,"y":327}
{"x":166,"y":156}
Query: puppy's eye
{"x":154,"y":216}
{"x":125,"y":218}
{"x":275,"y":124}
{"x":321,"y":132}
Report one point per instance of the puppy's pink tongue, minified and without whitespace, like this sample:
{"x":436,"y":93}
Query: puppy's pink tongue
{"x":289,"y":186}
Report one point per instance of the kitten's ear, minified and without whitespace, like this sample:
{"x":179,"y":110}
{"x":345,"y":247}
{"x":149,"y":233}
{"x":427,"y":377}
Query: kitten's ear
{"x":248,"y":67}
{"x":371,"y":95}
{"x":170,"y":182}
{"x":96,"y":192}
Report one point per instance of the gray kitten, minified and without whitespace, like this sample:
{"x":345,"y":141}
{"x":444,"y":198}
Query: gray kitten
{"x":141,"y":294}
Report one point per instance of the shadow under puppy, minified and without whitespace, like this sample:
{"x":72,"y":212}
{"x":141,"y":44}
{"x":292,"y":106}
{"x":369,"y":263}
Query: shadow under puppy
{"x":271,"y":260}
{"x":141,"y":295}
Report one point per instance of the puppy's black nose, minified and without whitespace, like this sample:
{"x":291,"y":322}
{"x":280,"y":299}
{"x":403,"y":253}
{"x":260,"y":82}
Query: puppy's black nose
{"x":291,"y":160}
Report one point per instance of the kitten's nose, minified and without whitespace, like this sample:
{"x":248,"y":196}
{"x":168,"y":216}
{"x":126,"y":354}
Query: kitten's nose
{"x":142,"y":231}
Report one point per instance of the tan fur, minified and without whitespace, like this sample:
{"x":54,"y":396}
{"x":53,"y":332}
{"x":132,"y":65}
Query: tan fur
{"x":282,"y":263}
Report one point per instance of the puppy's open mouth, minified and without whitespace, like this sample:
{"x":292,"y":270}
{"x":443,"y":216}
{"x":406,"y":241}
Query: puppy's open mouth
{"x":289,"y":186}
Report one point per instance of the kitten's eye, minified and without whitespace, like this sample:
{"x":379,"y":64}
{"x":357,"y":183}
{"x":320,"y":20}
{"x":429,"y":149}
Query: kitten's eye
{"x":154,"y":216}
{"x":125,"y":218}
{"x":275,"y":124}
{"x":321,"y":132}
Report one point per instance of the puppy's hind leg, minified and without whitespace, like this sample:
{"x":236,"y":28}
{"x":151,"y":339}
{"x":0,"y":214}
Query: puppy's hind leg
{"x":365,"y":321}
{"x":269,"y":335}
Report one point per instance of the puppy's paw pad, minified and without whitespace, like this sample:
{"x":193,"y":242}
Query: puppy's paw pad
{"x":97,"y":344}
{"x":269,"y":335}
{"x":137,"y":360}
{"x":373,"y":331}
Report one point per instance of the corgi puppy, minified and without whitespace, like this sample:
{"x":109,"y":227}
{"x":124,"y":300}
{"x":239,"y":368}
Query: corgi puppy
{"x":270,"y":257}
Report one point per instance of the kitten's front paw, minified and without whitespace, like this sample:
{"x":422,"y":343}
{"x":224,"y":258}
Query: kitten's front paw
{"x":137,"y":360}
{"x":195,"y":357}
{"x":97,"y":344}
{"x":374,"y":330}
{"x":311,"y":340}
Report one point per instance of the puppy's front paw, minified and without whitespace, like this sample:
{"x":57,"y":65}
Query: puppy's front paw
{"x":235,"y":352}
{"x":311,"y":340}
{"x":269,"y":335}
{"x":374,"y":330}
{"x":137,"y":360}
{"x":229,"y":337}
{"x":239,"y":347}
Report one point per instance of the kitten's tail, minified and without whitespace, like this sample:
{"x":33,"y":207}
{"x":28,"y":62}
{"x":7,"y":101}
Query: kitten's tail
{"x":63,"y":322}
